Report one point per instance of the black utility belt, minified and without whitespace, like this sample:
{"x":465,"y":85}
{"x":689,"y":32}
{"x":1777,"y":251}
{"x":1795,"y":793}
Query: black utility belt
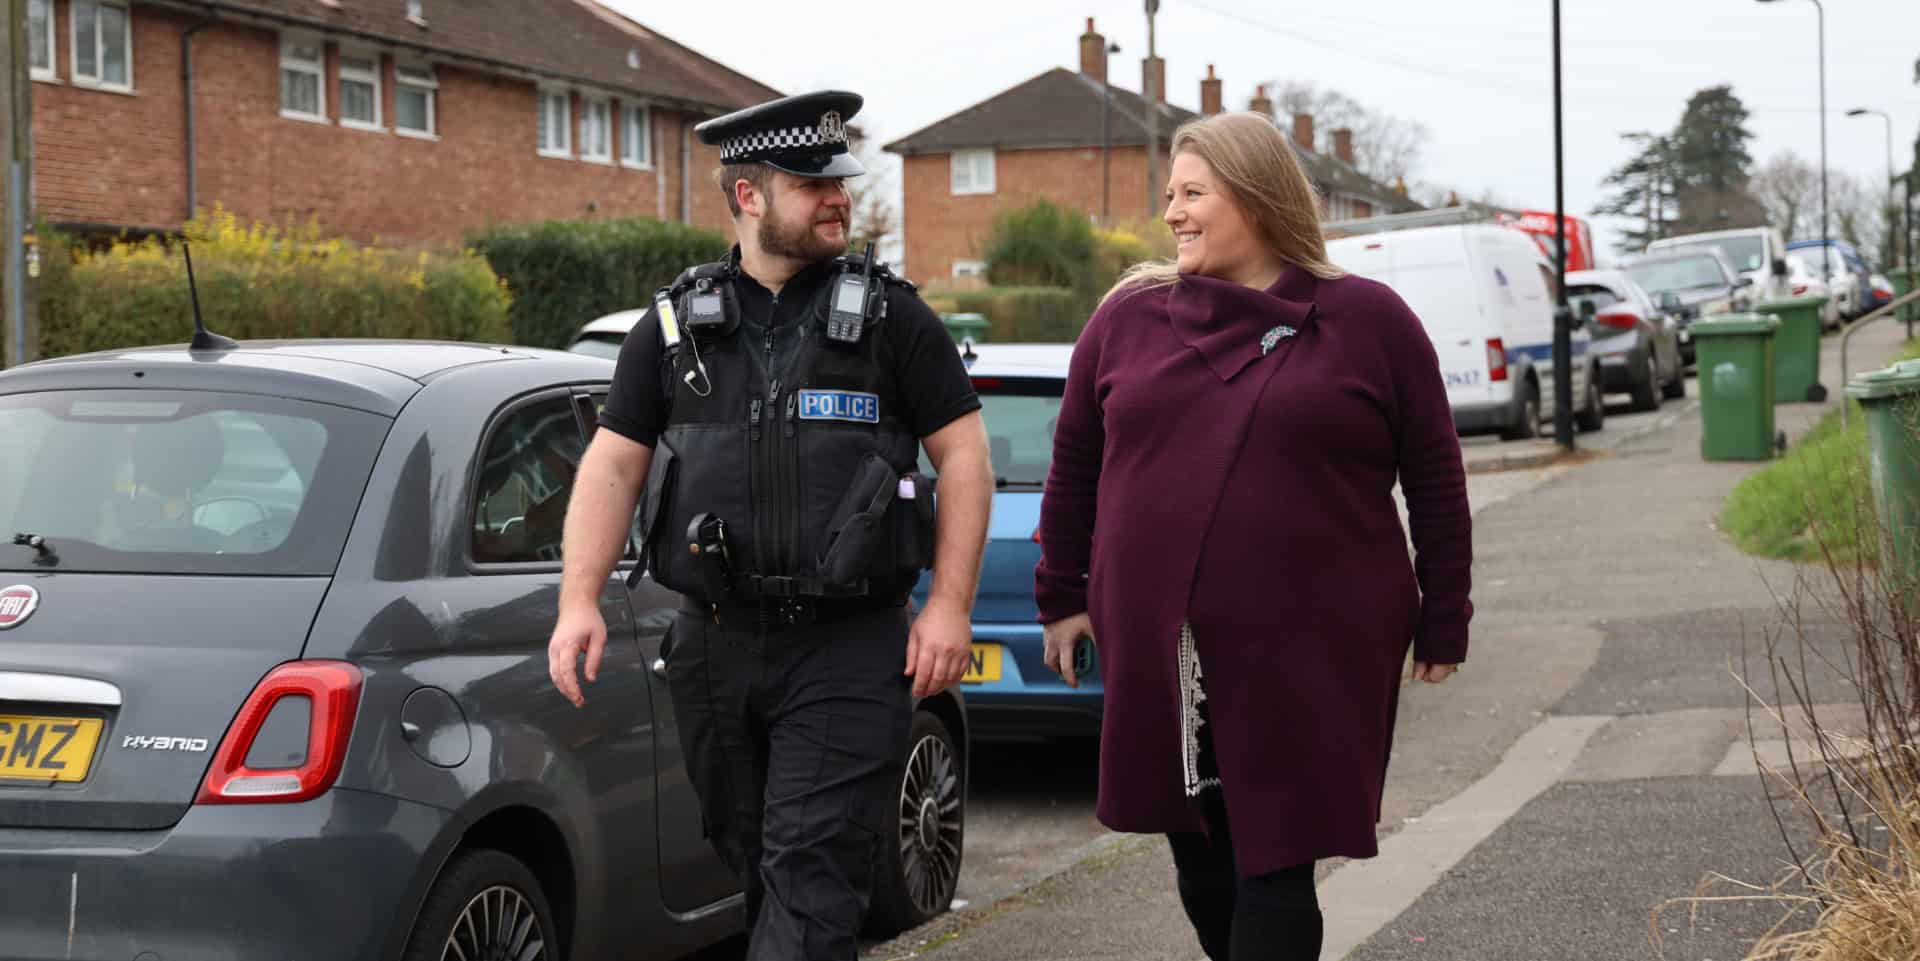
{"x":777,"y":612}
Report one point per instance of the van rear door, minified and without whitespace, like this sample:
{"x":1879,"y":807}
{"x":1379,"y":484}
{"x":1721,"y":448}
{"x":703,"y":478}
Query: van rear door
{"x":1430,"y":270}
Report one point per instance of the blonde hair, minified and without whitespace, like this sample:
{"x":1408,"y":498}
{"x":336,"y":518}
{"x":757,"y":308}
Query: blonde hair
{"x":1262,"y":178}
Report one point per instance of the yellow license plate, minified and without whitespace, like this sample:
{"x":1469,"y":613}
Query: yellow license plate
{"x":47,"y":748}
{"x":985,"y":665}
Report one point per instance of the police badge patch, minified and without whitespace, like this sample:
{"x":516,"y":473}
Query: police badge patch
{"x":859,"y":407}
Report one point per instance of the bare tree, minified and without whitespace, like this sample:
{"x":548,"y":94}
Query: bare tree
{"x":1859,"y":213}
{"x":1384,"y":147}
{"x":1789,"y":188}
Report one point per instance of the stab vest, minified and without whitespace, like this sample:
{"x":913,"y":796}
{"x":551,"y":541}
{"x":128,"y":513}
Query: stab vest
{"x":803,"y":460}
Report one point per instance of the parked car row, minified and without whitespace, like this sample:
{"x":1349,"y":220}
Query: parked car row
{"x":274,"y":675}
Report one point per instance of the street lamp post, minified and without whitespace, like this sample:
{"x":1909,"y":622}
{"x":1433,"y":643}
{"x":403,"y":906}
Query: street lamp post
{"x":1106,"y":143}
{"x":1562,"y":317}
{"x":1826,"y":241}
{"x":1896,"y":213}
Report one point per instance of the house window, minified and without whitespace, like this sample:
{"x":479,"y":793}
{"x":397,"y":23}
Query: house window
{"x":636,"y":136}
{"x":102,"y":44}
{"x":969,"y":268}
{"x":303,"y":95}
{"x":972,"y":171}
{"x":360,"y":91}
{"x":417,"y":12}
{"x":596,"y":130}
{"x":556,"y":124}
{"x":40,"y":38}
{"x":413,"y":96}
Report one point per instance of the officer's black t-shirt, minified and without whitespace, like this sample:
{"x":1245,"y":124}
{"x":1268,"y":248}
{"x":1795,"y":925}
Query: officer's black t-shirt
{"x":932,"y":379}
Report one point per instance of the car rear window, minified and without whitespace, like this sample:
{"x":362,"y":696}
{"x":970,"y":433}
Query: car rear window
{"x":180,"y":482}
{"x":1680,"y":273}
{"x":1600,"y":297}
{"x":599,"y":345}
{"x":1019,"y":413}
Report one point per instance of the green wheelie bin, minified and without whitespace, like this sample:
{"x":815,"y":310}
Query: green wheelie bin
{"x":1796,"y":348}
{"x":1734,"y":355}
{"x":1891,"y":399}
{"x":966,"y":326}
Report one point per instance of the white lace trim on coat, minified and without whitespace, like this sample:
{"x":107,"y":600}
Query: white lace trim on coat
{"x":1192,"y":716}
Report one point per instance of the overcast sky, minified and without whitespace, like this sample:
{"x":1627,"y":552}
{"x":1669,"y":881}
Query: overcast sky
{"x":1477,"y":73}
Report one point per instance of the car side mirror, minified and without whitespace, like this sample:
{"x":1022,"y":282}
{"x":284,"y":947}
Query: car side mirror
{"x":1745,"y":281}
{"x":1779,"y":266}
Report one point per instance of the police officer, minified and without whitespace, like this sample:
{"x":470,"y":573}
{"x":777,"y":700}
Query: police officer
{"x":767,"y":413}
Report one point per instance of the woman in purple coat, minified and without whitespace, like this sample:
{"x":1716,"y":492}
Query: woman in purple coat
{"x":1220,"y":519}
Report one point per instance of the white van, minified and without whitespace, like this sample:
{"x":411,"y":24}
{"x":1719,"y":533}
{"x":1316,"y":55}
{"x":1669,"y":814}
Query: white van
{"x":1758,"y":253}
{"x":1485,"y":295}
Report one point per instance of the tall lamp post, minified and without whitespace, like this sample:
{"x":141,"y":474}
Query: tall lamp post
{"x":1153,"y":114}
{"x":1826,"y":241}
{"x":1896,"y":212}
{"x":1562,"y":317}
{"x":1106,"y":143}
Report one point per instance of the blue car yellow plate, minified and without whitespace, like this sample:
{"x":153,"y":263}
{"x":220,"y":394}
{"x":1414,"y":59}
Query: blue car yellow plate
{"x":36,"y":748}
{"x":985,"y":665}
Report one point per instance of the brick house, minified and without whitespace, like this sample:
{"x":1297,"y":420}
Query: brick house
{"x":400,"y":121}
{"x":1043,"y":139}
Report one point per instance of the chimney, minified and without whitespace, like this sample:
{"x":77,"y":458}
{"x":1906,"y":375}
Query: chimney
{"x":1261,"y":103}
{"x":1343,"y":145}
{"x":1093,"y":53}
{"x":1210,"y":93}
{"x":1153,"y":79}
{"x":1303,"y":131}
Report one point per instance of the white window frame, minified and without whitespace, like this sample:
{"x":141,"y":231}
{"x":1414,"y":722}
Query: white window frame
{"x":565,"y":99}
{"x":316,"y":68}
{"x":99,"y":48}
{"x":52,"y":70}
{"x":969,"y":268}
{"x":969,"y":163}
{"x":427,"y":82}
{"x":370,"y":77}
{"x":417,"y":12}
{"x":636,"y":116}
{"x":590,"y":105}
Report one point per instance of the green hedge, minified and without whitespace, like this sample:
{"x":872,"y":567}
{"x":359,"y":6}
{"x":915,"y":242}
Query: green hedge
{"x":258,"y":282}
{"x":1045,"y":315}
{"x":565,"y":273}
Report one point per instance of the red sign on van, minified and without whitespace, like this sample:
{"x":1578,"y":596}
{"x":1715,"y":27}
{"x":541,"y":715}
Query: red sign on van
{"x":1539,"y":225}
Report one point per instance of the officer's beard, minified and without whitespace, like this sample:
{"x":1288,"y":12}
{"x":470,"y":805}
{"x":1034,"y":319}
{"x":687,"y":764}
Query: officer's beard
{"x":799,"y":241}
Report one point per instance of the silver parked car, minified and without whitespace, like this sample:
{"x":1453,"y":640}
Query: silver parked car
{"x":1638,"y":343}
{"x":273,"y":674}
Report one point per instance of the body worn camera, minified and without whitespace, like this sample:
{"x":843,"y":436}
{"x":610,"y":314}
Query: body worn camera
{"x":710,"y":309}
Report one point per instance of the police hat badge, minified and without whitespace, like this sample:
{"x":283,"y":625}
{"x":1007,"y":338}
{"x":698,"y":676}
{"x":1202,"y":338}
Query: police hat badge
{"x":804,"y":135}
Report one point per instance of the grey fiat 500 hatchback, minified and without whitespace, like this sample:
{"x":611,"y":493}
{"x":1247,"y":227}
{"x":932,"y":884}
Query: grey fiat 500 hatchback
{"x":273,"y":681}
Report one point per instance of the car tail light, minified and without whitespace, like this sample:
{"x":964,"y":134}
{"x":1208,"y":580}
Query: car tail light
{"x":333,"y":690}
{"x":986,"y":383}
{"x":1617,"y":318}
{"x":1496,"y":359}
{"x":1799,"y":289}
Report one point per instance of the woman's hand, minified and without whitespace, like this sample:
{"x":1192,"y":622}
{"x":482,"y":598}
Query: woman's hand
{"x":1430,"y":673}
{"x":1061,"y":636}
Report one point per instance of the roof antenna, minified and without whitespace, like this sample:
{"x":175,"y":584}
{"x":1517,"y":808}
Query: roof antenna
{"x":203,"y":339}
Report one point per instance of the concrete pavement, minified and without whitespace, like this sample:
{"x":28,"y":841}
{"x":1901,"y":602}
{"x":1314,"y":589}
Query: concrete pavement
{"x":1589,"y":764}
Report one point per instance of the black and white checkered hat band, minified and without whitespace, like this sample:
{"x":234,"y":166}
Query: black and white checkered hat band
{"x":765,"y":142}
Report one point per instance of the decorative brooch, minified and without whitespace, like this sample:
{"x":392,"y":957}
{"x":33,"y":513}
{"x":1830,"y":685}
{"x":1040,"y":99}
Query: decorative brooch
{"x":1274,"y":337}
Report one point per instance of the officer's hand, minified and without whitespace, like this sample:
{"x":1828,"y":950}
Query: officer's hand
{"x":1060,"y":638}
{"x":578,"y":630}
{"x":1433,"y":673}
{"x":939,"y":647}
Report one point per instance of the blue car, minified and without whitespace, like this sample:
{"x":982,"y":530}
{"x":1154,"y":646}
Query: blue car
{"x":1011,"y":694}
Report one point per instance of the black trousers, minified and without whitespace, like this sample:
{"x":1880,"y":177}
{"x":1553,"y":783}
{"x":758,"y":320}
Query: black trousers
{"x":1267,"y":917}
{"x":794,"y":739}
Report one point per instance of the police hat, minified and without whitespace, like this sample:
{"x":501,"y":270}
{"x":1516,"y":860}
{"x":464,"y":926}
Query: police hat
{"x":804,"y":135}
